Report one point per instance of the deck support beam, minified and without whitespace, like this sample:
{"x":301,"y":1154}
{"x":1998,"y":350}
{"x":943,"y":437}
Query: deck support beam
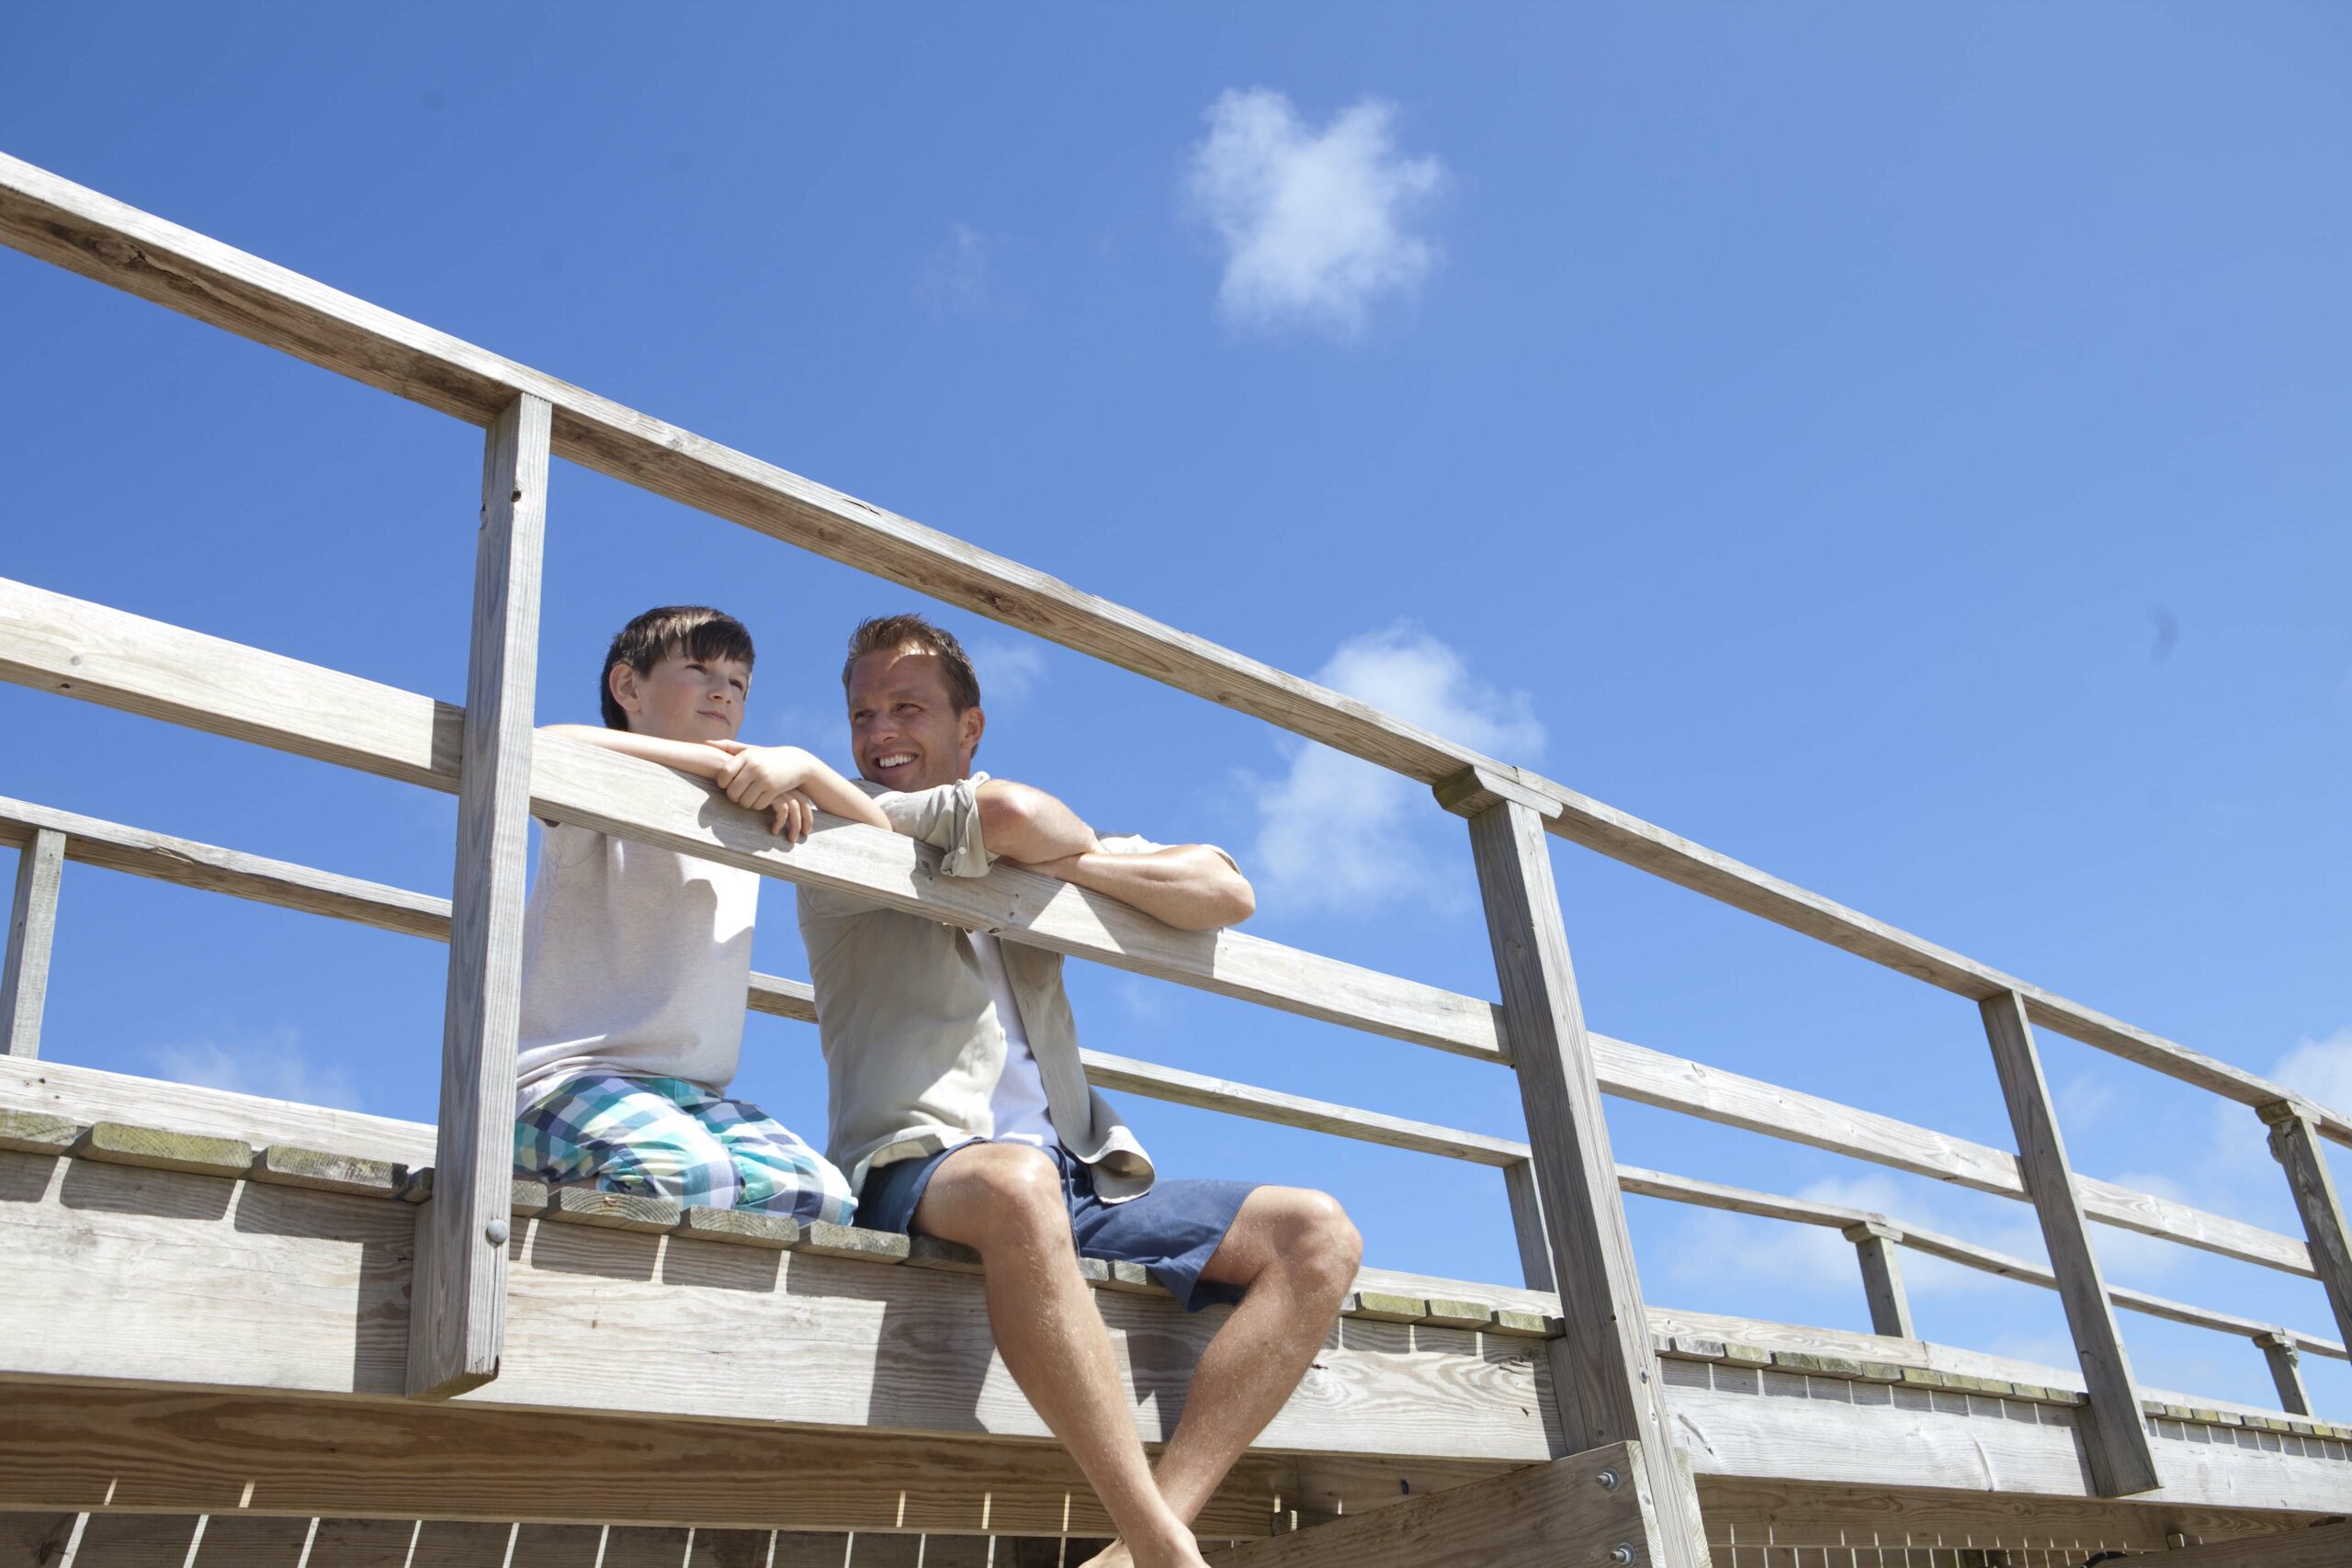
{"x":2115,"y":1435}
{"x":1588,"y":1507}
{"x":32,"y":923}
{"x":456,"y":1320}
{"x":2315,"y":1546}
{"x":1604,"y":1376}
{"x":2286,"y":1371}
{"x":1874,"y":1247}
{"x":1527,"y":1224}
{"x":2294,"y":1140}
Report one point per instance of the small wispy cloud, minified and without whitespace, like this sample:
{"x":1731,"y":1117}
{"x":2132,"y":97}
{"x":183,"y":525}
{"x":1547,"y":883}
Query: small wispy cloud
{"x":1009,"y":672}
{"x":961,"y":279}
{"x":1340,"y":834}
{"x":1316,"y":224}
{"x":274,"y":1065}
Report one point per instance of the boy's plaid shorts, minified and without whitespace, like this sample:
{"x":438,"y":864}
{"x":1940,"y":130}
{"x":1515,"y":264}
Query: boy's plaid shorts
{"x":668,"y":1138}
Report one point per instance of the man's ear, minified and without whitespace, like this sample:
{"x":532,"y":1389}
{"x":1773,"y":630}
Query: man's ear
{"x":969,"y":725}
{"x":621,"y":680}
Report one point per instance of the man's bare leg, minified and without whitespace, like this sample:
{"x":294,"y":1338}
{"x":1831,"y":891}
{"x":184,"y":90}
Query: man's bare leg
{"x":1295,"y":1252}
{"x":1006,"y":1200}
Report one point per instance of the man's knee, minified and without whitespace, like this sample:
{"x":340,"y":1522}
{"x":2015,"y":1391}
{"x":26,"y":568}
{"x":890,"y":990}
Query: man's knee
{"x":1315,"y":1242}
{"x":1003,"y":1194}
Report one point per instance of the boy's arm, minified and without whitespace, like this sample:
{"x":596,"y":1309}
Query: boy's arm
{"x":763,"y":776}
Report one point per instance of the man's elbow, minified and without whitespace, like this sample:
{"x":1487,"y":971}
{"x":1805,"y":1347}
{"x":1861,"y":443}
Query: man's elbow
{"x":1232,"y":901}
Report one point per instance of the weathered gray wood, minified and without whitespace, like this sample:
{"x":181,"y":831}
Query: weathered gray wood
{"x":32,"y":929}
{"x":1766,"y":1424}
{"x":90,"y":840}
{"x":243,"y":1285}
{"x":266,"y":1454}
{"x":1528,"y":1227}
{"x":455,"y":1321}
{"x":1874,"y":1244}
{"x":2115,"y":1436}
{"x":2286,"y":1371}
{"x":2294,"y":1140}
{"x":1603,"y":1375}
{"x":2313,"y":1546}
{"x":1587,"y":1508}
{"x":89,"y":233}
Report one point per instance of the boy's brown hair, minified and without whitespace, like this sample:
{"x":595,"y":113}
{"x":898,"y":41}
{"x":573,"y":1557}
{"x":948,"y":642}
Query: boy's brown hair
{"x":893,"y":633}
{"x":697,"y":631}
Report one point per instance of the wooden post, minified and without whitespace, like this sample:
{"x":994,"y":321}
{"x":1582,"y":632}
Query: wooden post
{"x":2294,"y":1140}
{"x":32,"y":923}
{"x":1882,"y":1278}
{"x":1527,"y":1223}
{"x":2115,"y":1433}
{"x":2286,"y":1370}
{"x":457,"y":1306}
{"x":1604,"y":1378}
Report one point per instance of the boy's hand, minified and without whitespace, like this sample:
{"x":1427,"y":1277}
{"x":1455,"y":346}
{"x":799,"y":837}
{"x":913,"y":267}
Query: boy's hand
{"x":768,"y":778}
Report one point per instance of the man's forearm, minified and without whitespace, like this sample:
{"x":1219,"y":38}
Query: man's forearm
{"x":1190,"y":886}
{"x":1026,"y":824}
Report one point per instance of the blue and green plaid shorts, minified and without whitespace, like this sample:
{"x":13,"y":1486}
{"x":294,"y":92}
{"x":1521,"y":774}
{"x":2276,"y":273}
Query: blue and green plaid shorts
{"x":668,"y":1138}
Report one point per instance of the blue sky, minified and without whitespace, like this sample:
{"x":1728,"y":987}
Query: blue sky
{"x":1902,"y":447}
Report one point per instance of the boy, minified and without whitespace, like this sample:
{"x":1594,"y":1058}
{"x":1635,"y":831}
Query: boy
{"x":636,"y":959}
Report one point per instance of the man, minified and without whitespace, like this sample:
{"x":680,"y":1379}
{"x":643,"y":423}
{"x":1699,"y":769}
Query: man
{"x":960,"y":1110}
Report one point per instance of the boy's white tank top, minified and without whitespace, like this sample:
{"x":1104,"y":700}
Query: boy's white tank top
{"x":635,"y":961}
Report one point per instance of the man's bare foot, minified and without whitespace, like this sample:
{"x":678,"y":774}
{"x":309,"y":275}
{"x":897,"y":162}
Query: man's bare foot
{"x":1114,"y":1555}
{"x":1182,"y":1552}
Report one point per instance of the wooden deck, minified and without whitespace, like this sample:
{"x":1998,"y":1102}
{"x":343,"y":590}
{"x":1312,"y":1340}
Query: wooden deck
{"x":227,"y":1339}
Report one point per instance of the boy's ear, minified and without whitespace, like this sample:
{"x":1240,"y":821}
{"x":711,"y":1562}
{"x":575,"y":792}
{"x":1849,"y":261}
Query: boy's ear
{"x":621,"y":680}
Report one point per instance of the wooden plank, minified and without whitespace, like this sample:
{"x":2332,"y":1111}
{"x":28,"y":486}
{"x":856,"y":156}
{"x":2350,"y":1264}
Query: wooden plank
{"x":1587,"y":1509}
{"x":1603,"y":1375}
{"x":2115,"y":1437}
{"x":92,"y":841}
{"x":32,"y":931}
{"x":1889,"y":1304}
{"x":250,"y":1285}
{"x":1528,"y":1225}
{"x":459,"y":1462}
{"x":454,"y":1321}
{"x":1652,"y":1078}
{"x":88,"y":650}
{"x":2315,"y":1546}
{"x":84,"y":232}
{"x":1822,"y":1432}
{"x":2278,"y":1351}
{"x":87,"y":1095}
{"x":1179,"y":1087}
{"x":37,"y":1540}
{"x":1796,"y":1515}
{"x":2294,"y":1141}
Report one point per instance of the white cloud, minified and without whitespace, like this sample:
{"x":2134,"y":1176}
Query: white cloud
{"x":960,"y":276}
{"x":1008,"y":670}
{"x":274,"y":1065}
{"x":1313,"y":222}
{"x":1339,"y":833}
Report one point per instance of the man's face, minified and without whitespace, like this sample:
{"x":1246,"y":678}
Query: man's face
{"x":682,"y":698}
{"x":903,"y":729}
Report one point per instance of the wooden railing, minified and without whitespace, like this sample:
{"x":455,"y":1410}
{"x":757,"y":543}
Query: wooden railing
{"x":1565,"y":1186}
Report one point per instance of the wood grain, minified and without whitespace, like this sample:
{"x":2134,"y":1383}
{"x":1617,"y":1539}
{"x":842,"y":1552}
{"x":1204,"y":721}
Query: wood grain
{"x":97,"y":237}
{"x":1560,"y":1515}
{"x":32,"y":931}
{"x":2313,"y":1546}
{"x":2115,"y":1437}
{"x":2294,"y":1141}
{"x":1604,"y":1377}
{"x":456,"y":1321}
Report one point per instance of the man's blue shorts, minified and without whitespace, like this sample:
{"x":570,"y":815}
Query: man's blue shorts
{"x":1171,"y":1230}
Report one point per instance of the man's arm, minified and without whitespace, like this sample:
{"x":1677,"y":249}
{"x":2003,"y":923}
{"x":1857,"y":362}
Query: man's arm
{"x":1190,"y":886}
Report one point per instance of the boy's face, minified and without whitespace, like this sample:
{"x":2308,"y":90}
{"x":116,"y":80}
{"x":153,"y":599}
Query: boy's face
{"x":903,"y":726}
{"x":682,"y":698}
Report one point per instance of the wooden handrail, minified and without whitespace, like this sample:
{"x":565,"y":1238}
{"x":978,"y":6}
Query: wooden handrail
{"x":57,"y":220}
{"x":1627,"y":1071}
